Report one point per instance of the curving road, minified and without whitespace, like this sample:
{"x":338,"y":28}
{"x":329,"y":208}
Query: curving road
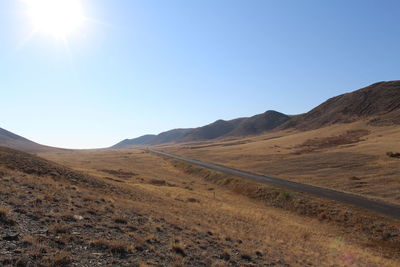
{"x":383,"y":208}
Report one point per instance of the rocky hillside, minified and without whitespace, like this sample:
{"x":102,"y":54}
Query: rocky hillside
{"x":260,"y":123}
{"x":379,"y":102}
{"x":218,"y":129}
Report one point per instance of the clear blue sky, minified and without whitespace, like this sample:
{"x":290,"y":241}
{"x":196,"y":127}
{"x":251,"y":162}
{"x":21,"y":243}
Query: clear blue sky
{"x":148,"y":66}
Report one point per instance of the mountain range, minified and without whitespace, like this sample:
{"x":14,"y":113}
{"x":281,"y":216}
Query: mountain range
{"x":378,"y":103}
{"x":218,"y":129}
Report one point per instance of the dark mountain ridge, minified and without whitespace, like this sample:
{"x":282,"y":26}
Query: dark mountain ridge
{"x":260,"y":123}
{"x":169,"y":136}
{"x":151,"y":139}
{"x":380,"y":102}
{"x":141,"y":140}
{"x":211,"y":131}
{"x":218,"y":129}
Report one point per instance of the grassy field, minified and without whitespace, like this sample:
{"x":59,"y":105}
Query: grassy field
{"x":230,"y":225}
{"x":347,"y":157}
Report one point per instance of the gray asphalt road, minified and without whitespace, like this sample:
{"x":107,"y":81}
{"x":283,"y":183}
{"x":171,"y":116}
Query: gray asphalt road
{"x":383,"y":208}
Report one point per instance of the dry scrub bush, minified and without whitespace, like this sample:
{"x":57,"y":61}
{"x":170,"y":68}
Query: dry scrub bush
{"x":5,"y":216}
{"x":115,"y":247}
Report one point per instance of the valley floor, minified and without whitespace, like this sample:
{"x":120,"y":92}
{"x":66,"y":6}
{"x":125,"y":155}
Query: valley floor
{"x":349,"y":157}
{"x":132,"y":208}
{"x":192,"y":221}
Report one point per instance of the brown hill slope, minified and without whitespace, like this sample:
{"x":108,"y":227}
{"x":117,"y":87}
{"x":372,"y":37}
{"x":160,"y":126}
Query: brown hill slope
{"x":11,"y":140}
{"x":379,"y":101}
{"x":127,"y":143}
{"x":212,"y":131}
{"x":259,"y":123}
{"x":151,"y":139}
{"x":169,"y":136}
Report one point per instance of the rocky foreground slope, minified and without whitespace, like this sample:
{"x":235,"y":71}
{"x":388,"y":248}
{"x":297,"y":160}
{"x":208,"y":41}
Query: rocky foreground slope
{"x":51,"y":215}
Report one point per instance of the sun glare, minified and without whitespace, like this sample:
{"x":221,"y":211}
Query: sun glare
{"x":58,"y":18}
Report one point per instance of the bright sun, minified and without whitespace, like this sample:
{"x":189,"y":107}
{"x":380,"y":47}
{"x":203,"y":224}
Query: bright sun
{"x":58,"y":18}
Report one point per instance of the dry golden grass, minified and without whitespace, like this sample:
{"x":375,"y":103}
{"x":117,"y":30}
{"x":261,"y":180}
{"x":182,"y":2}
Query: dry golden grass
{"x":248,"y":226}
{"x":347,"y":157}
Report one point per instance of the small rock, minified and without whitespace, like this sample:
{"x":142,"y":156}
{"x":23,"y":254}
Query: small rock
{"x":225,"y":256}
{"x":246,"y":257}
{"x":193,"y":200}
{"x":78,"y":217}
{"x":54,"y":174}
{"x":11,"y":237}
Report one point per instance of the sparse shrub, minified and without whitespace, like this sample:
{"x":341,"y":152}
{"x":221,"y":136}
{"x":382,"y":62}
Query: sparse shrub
{"x":60,"y":259}
{"x":158,"y":182}
{"x":306,"y":236}
{"x":115,"y":247}
{"x":23,"y":261}
{"x":58,"y":228}
{"x":5,"y":216}
{"x":120,"y":220}
{"x":140,"y":244}
{"x":283,"y":195}
{"x":178,"y":249}
{"x":151,"y":238}
{"x":225,"y":256}
{"x":393,"y":154}
{"x":246,"y":256}
{"x":219,"y":264}
{"x":38,"y":251}
{"x":28,"y":241}
{"x":69,"y":216}
{"x":322,"y":216}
